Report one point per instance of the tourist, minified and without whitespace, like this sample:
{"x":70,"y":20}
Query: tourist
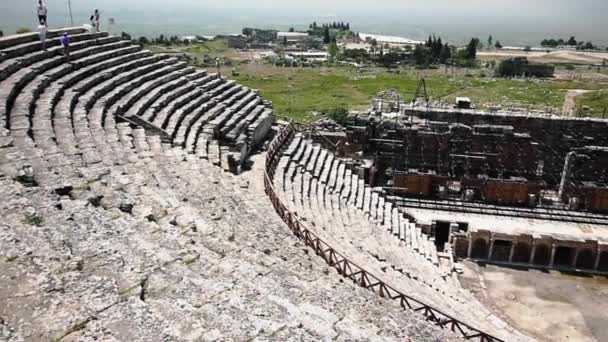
{"x":65,"y":43}
{"x":42,"y":11}
{"x":97,"y":17}
{"x":91,"y":26}
{"x":42,"y":34}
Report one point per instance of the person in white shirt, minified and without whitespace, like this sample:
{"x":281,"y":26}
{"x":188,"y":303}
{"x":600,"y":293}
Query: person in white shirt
{"x":97,"y":16}
{"x":42,"y":34}
{"x":42,"y":12}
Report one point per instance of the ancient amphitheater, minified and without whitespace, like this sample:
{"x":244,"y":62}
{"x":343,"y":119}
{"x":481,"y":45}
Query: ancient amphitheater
{"x":123,"y":222}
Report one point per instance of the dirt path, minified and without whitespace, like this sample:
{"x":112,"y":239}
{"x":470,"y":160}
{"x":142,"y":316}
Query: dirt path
{"x":549,"y":306}
{"x":570,"y":101}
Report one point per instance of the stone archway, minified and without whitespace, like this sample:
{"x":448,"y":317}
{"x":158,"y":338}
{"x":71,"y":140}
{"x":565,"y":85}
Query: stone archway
{"x":542,"y":255}
{"x":585,"y":259}
{"x":603,"y":265}
{"x":521,"y":252}
{"x":480,"y":249}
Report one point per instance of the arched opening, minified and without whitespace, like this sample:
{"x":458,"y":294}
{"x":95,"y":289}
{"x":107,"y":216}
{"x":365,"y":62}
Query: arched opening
{"x":541,"y":255}
{"x":603,"y":265}
{"x":563,"y":256}
{"x":521,"y":253}
{"x":480,"y":249}
{"x":585,"y":259}
{"x":501,"y":250}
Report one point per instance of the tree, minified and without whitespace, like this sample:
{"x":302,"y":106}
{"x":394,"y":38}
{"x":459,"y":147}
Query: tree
{"x":572,"y":41}
{"x":143,"y":41}
{"x":332,"y":49}
{"x":314,"y":24}
{"x":498,"y":45}
{"x":247,"y":31}
{"x":471,"y":50}
{"x":445,"y":54}
{"x":490,"y":40}
{"x":1,"y":33}
{"x":125,"y":36}
{"x":326,"y":36}
{"x":291,"y":29}
{"x":347,"y":26}
{"x":528,"y":49}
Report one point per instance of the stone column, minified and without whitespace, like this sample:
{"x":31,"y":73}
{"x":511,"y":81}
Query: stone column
{"x":531,"y":261}
{"x":470,"y":238}
{"x":597,"y":258}
{"x":553,"y":248}
{"x":512,"y":251}
{"x":574,"y":259}
{"x":491,"y":249}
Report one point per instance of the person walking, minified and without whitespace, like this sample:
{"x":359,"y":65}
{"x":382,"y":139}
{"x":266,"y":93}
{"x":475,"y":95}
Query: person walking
{"x":218,"y":67}
{"x":42,"y":34}
{"x":65,"y":43}
{"x":42,"y":13}
{"x":97,"y":16}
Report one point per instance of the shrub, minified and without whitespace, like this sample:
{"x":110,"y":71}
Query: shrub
{"x":339,"y":115}
{"x":33,"y":220}
{"x":1,"y":33}
{"x":569,"y":67}
{"x":23,"y":30}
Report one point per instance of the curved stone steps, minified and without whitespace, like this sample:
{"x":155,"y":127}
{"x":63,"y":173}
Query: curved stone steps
{"x":25,"y":54}
{"x":122,"y":106}
{"x":22,"y":115}
{"x":71,"y":100}
{"x":147,"y":101}
{"x":163,"y":116}
{"x":43,"y":118}
{"x":13,"y":85}
{"x":215,"y":94}
{"x":108,"y":93}
{"x":173,"y":96}
{"x":208,"y":115}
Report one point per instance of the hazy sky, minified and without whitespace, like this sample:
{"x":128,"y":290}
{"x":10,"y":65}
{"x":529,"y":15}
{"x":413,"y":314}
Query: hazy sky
{"x":517,"y":21}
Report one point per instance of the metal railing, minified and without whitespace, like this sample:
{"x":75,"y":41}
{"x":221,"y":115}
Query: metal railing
{"x":347,"y":268}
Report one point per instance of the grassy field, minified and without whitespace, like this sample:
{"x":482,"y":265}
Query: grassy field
{"x":300,"y":92}
{"x":597,"y":101}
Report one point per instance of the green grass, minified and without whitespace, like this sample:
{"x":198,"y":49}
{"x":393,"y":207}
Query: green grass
{"x":298,"y":92}
{"x":597,"y":101}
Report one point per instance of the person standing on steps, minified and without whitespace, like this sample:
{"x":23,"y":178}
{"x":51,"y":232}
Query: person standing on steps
{"x":65,"y":43}
{"x":42,"y":34}
{"x":217,"y":65}
{"x":97,"y":16}
{"x":42,"y":12}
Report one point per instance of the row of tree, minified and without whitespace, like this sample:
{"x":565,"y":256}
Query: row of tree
{"x":335,"y":26}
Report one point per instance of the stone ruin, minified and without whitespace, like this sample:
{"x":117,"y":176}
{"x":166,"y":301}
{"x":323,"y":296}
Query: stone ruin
{"x":120,"y":222}
{"x":528,"y":190}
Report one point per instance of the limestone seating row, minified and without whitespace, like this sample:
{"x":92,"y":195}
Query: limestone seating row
{"x":25,"y":54}
{"x":27,"y":98}
{"x":173,"y":97}
{"x":310,"y":198}
{"x":23,"y":38}
{"x":95,"y":103}
{"x":192,"y":98}
{"x":205,"y":104}
{"x":13,"y":85}
{"x":64,"y":101}
{"x":348,"y":200}
{"x":362,"y":197}
{"x":151,"y":98}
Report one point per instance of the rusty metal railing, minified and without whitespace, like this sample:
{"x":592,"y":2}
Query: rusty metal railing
{"x":347,"y":268}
